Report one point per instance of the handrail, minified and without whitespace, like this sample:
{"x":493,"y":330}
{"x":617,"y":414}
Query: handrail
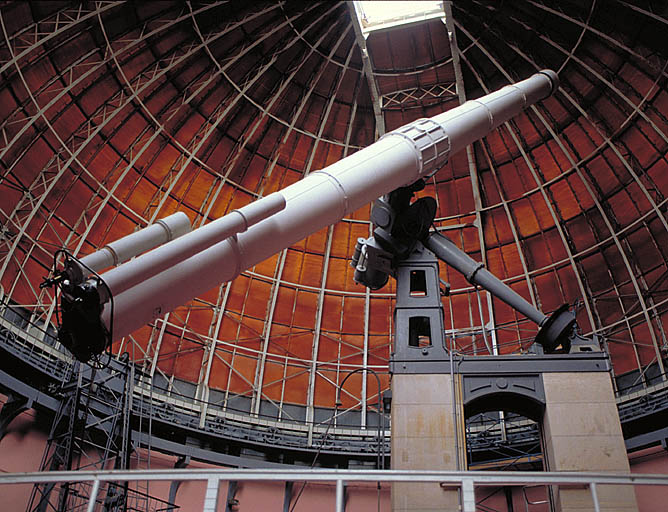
{"x":466,"y":480}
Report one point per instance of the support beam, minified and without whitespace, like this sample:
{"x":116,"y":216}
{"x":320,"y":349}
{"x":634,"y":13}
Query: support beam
{"x":287,"y":496}
{"x":368,"y":72}
{"x":232,"y":502}
{"x":182,"y":462}
{"x":473,"y":171}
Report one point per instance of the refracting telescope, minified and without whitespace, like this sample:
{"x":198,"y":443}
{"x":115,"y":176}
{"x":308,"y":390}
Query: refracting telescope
{"x":166,"y":265}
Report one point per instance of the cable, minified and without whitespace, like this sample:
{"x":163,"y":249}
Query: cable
{"x":317,"y":453}
{"x":380,"y":461}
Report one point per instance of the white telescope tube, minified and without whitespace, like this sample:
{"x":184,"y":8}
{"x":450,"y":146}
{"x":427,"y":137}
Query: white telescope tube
{"x":476,"y":118}
{"x":166,"y":256}
{"x":325,"y":197}
{"x":129,"y":246}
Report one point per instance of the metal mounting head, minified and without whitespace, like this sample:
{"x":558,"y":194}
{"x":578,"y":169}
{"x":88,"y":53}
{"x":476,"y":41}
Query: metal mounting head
{"x":81,"y":329}
{"x":372,"y":264}
{"x":399,"y":225}
{"x":557,"y":331}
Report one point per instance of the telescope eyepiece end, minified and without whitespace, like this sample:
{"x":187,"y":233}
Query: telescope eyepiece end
{"x":553,"y":77}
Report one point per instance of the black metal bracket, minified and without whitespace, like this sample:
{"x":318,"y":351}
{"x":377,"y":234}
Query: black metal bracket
{"x":14,"y":406}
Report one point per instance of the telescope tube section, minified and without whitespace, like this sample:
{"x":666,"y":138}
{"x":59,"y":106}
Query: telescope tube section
{"x":129,"y":246}
{"x":166,"y":256}
{"x":324,"y":197}
{"x":476,"y":118}
{"x":477,"y":274}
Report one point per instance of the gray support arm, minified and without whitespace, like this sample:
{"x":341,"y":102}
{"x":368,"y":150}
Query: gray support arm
{"x":557,"y":332}
{"x":477,"y":274}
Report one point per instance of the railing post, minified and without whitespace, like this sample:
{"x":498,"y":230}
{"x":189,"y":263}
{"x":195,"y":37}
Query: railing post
{"x":211,"y":496}
{"x":339,"y":495}
{"x":468,"y":495}
{"x":93,"y":496}
{"x":594,"y":496}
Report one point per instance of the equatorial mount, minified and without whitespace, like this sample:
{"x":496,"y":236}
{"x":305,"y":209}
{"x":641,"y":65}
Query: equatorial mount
{"x":401,"y":224}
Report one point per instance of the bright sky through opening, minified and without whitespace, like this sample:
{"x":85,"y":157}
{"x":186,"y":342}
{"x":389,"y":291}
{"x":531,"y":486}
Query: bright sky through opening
{"x":375,"y":15}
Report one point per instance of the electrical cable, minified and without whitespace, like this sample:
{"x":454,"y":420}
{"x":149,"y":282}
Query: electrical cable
{"x":317,"y":453}
{"x":380,"y":462}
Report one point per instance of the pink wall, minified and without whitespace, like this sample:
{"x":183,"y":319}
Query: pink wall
{"x":20,"y":450}
{"x":651,"y":461}
{"x":650,"y":498}
{"x":253,"y":496}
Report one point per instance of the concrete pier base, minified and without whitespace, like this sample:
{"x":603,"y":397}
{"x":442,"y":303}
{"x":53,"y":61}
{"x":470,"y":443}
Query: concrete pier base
{"x":581,"y":432}
{"x":580,"y":428}
{"x":423,"y":437}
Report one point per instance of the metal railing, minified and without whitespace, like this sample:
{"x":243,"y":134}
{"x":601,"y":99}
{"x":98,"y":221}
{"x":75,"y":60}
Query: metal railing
{"x":466,"y":481}
{"x":528,"y":501}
